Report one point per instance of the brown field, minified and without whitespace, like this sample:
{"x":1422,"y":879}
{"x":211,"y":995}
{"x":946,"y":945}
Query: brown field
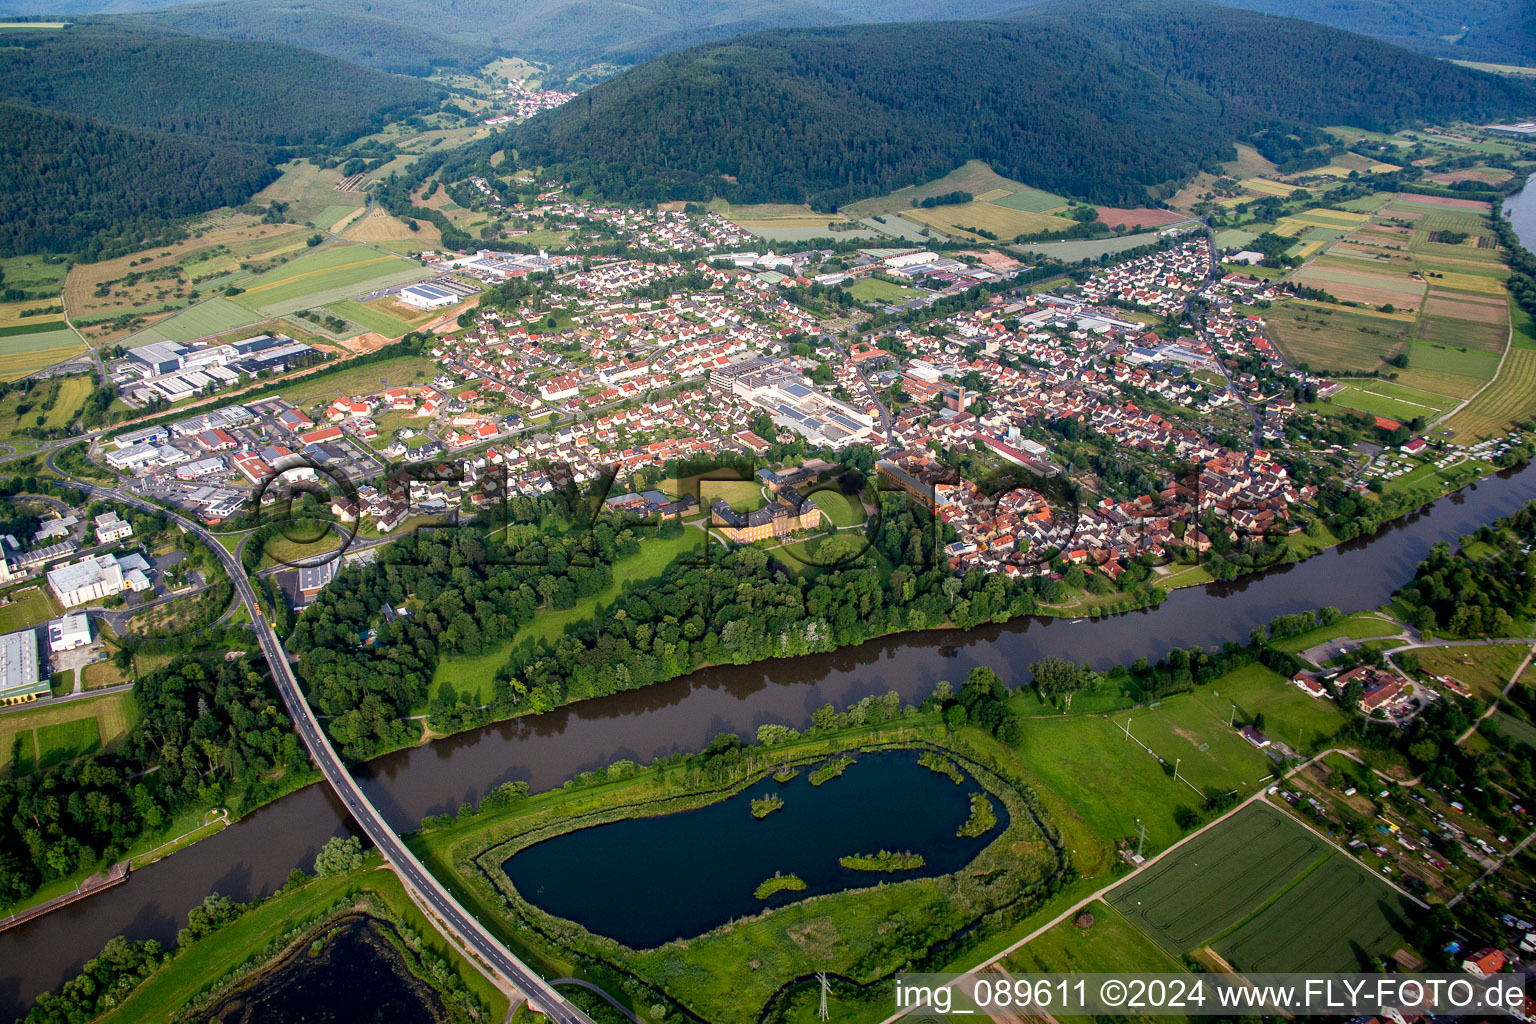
{"x":248,"y":242}
{"x":1147,"y":217}
{"x":1358,"y":290}
{"x":1466,"y":307}
{"x":1487,"y":175}
{"x":363,"y":343}
{"x":379,"y":226}
{"x":1459,"y":204}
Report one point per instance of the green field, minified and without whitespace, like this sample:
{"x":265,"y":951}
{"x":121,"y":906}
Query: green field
{"x":1212,"y":755}
{"x":1335,"y":919}
{"x":326,"y":274}
{"x":1359,"y":626}
{"x":43,"y":275}
{"x":370,"y":318}
{"x":203,"y":320}
{"x":30,"y":607}
{"x":1330,"y":337}
{"x":1290,"y":716}
{"x":1112,"y":944}
{"x":1515,"y":729}
{"x":368,"y":379}
{"x":1511,"y":397}
{"x":33,"y":337}
{"x":1444,"y":359}
{"x":872,"y":289}
{"x":65,"y":741}
{"x":1483,"y":669}
{"x":58,"y":732}
{"x":1215,"y":881}
{"x":1369,"y":397}
{"x":842,"y":510}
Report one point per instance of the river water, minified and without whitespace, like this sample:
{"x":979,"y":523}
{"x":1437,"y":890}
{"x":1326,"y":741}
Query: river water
{"x":255,"y":855}
{"x":1520,"y":208}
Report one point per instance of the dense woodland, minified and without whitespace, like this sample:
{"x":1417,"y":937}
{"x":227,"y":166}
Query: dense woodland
{"x":109,"y":137}
{"x":1108,"y":102}
{"x":1452,"y":592}
{"x":208,"y":733}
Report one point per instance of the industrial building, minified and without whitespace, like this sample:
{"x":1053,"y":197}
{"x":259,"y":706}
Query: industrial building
{"x":427,"y":296}
{"x":96,"y":578}
{"x":73,"y":630}
{"x":19,"y":677}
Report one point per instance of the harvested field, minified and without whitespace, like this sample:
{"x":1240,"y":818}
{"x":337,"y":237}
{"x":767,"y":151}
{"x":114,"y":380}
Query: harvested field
{"x":1511,"y":397}
{"x":1482,"y":284}
{"x":1000,"y":220}
{"x":1462,"y":307}
{"x":1413,"y":199}
{"x":1143,"y":216}
{"x":975,"y":177}
{"x":1330,"y":338}
{"x":1462,"y":333}
{"x":1425,"y":356}
{"x":379,"y":226}
{"x":1266,"y":187}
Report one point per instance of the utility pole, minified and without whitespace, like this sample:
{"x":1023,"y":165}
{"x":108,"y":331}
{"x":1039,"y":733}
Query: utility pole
{"x":1176,"y":766}
{"x":1233,"y":721}
{"x":821,"y":1012}
{"x":1142,"y":839}
{"x":1127,"y":728}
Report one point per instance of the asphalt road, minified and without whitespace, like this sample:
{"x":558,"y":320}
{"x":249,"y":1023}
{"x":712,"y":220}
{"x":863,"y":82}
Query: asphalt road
{"x":426,"y":889}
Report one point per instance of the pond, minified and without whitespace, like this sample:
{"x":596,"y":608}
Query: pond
{"x":357,"y":978}
{"x":646,"y":881}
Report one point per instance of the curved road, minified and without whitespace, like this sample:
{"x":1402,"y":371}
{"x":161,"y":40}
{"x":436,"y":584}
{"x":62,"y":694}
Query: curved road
{"x":426,"y":889}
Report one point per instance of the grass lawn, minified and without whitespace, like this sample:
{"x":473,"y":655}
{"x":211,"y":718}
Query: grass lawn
{"x":370,"y":317}
{"x":1515,"y":729}
{"x":67,"y":730}
{"x":474,"y":674}
{"x":30,"y":607}
{"x":1483,"y":670}
{"x":1359,"y":626}
{"x":841,"y":510}
{"x":369,"y":379}
{"x":1290,"y":716}
{"x":872,"y":289}
{"x":1212,"y":755}
{"x":1112,"y":944}
{"x":1214,"y":882}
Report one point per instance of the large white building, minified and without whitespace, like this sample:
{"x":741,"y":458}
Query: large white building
{"x":427,"y":296}
{"x":110,"y":528}
{"x":19,"y":680}
{"x":73,"y":630}
{"x":90,"y":579}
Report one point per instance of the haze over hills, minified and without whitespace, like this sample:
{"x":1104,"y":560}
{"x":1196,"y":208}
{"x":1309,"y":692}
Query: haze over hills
{"x":1105,"y":101}
{"x":117,"y":132}
{"x":573,"y":34}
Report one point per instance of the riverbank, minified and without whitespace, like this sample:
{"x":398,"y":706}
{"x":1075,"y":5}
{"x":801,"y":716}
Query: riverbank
{"x":731,"y":972}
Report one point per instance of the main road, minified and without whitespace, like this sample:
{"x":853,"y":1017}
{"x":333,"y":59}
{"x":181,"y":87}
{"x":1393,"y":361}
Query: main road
{"x":423,"y":886}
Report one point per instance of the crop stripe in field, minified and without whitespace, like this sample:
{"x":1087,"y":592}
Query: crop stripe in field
{"x":254,"y":289}
{"x":1273,"y":899}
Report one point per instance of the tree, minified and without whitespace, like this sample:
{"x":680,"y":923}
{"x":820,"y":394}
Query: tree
{"x":339,"y":856}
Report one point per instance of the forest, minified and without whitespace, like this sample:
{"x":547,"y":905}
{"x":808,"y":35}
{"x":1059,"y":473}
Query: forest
{"x":111,"y":136}
{"x":1108,"y":102}
{"x":207,"y":734}
{"x":1454,"y":593}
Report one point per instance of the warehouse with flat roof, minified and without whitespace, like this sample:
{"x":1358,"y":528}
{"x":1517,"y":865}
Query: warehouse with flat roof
{"x":19,"y":679}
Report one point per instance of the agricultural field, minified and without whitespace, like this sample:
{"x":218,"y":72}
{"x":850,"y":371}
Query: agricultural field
{"x":1138,"y":217}
{"x":59,"y":732}
{"x":327,"y":274}
{"x":1329,"y":337}
{"x":390,"y":232}
{"x":1001,"y":221}
{"x":1212,"y":883}
{"x":1336,"y":918}
{"x":1510,"y":398}
{"x":400,"y":371}
{"x":1111,"y":944}
{"x":377,"y":316}
{"x":974,"y":177}
{"x":1087,"y":248}
{"x":223,"y":248}
{"x":26,"y":347}
{"x":1358,"y":286}
{"x":305,"y":190}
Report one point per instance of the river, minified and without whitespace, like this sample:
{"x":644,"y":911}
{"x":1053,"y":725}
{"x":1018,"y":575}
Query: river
{"x":1520,"y":208}
{"x":253,"y":856}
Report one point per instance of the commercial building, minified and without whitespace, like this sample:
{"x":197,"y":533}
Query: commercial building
{"x":19,"y":681}
{"x":90,"y":579}
{"x":110,"y":528}
{"x":427,"y":296}
{"x":73,"y":630}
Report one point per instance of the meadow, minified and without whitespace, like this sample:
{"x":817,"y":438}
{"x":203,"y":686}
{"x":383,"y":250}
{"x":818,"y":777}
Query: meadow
{"x":872,"y":289}
{"x":399,"y":371}
{"x":975,"y":177}
{"x":31,"y":606}
{"x":1329,"y":337}
{"x":370,"y":317}
{"x":1303,"y":722}
{"x":1483,"y":670}
{"x":1510,"y":398}
{"x":312,"y":279}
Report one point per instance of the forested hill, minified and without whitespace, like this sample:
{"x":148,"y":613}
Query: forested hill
{"x":69,"y":184}
{"x":246,"y":91}
{"x":1098,"y":99}
{"x":112,"y":134}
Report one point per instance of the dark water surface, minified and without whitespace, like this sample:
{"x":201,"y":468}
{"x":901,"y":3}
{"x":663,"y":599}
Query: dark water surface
{"x":645,"y":881}
{"x":1520,"y":208}
{"x":254,"y":856}
{"x":358,"y":978}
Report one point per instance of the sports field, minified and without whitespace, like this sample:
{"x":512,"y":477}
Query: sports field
{"x":325,"y":275}
{"x":59,"y":732}
{"x":1290,"y":716}
{"x":1378,"y":399}
{"x":1211,"y":755}
{"x":1211,"y":884}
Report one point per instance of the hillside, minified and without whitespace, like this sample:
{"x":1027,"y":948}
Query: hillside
{"x":248,"y":92}
{"x":1104,"y":101}
{"x":72,"y":184}
{"x":1501,"y":31}
{"x":113,"y":134}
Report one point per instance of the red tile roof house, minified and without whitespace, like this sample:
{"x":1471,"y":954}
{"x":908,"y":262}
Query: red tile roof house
{"x":1484,"y":962}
